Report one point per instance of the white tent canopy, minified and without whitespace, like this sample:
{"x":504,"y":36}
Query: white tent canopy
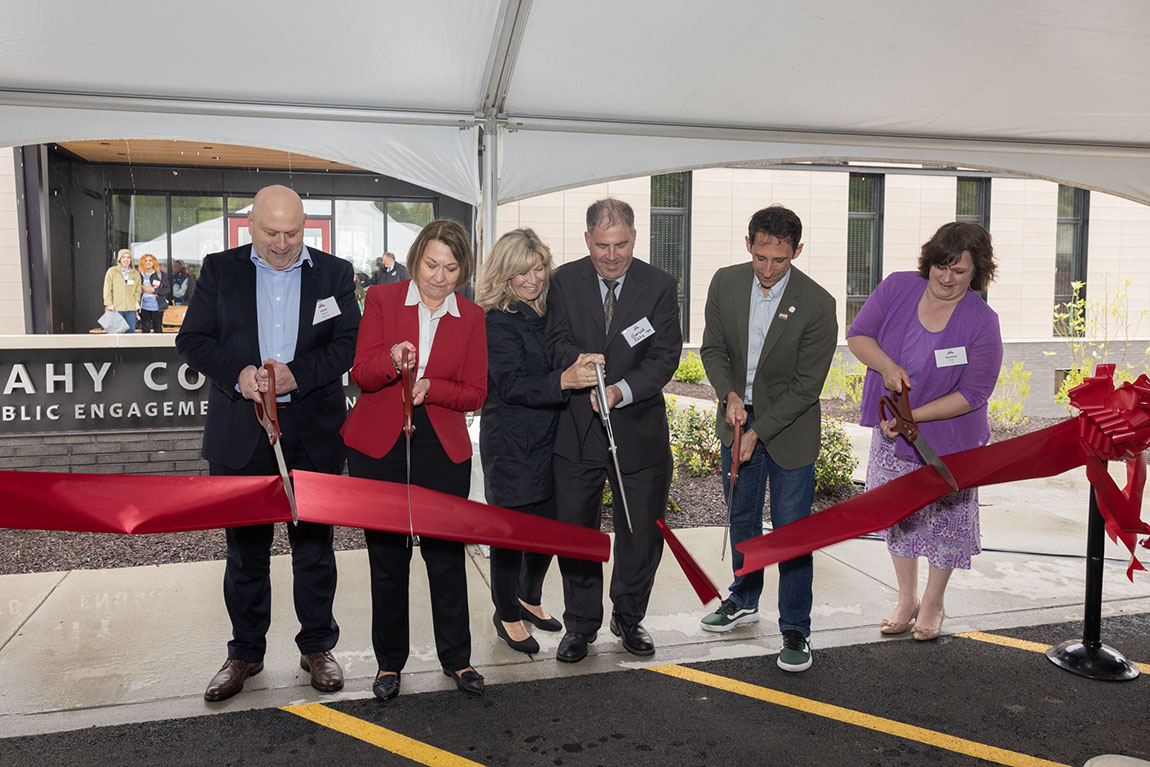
{"x":572,"y":93}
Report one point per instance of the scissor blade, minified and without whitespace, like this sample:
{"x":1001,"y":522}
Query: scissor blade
{"x":619,"y":474}
{"x":927,"y":452}
{"x":287,"y":481}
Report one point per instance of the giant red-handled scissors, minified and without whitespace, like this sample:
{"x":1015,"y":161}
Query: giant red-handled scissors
{"x":732,"y":478}
{"x":269,"y":419}
{"x":899,"y":405}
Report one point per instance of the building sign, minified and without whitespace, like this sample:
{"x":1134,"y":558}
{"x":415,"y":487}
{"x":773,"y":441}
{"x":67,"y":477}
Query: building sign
{"x":102,"y":389}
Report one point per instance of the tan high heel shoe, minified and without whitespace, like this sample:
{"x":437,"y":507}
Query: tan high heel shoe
{"x":890,"y":627}
{"x":923,"y":634}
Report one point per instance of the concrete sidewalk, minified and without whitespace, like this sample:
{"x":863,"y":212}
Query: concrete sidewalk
{"x":99,"y":647}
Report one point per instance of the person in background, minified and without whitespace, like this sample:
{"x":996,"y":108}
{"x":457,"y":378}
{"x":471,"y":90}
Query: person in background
{"x":122,"y":288}
{"x":153,"y":301}
{"x":182,"y":285}
{"x":520,"y":416}
{"x":388,"y":271}
{"x":444,"y":334}
{"x":931,"y":333}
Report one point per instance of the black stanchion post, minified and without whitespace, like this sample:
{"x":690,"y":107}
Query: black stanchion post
{"x":1089,"y":657}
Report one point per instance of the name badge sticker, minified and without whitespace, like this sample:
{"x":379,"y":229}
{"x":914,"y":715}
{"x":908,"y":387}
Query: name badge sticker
{"x":325,"y":309}
{"x":948,"y":358}
{"x":638,"y":332}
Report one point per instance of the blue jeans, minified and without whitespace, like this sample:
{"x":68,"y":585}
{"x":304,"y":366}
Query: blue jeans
{"x":792,"y":491}
{"x":130,"y":318}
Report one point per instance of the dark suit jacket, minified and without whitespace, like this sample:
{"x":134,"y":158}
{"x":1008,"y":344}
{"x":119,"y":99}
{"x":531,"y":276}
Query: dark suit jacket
{"x":219,"y":338}
{"x":457,"y":370}
{"x":793,"y":365}
{"x":575,"y":325}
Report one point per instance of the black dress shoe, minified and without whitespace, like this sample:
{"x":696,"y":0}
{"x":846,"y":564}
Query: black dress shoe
{"x":573,"y":647}
{"x":528,"y":645}
{"x":469,"y":682}
{"x":544,"y":624}
{"x":230,"y":679}
{"x":386,"y":686}
{"x":635,"y":638}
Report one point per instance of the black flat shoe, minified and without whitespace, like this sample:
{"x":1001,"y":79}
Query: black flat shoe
{"x":573,"y":647}
{"x":386,"y":687}
{"x":469,"y":682}
{"x":528,"y":645}
{"x":635,"y":638}
{"x":543,"y":624}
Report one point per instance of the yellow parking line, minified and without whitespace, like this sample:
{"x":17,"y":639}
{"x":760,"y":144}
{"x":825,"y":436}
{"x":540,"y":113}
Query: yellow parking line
{"x":857,"y":718}
{"x":1022,"y":644}
{"x":379,"y":736}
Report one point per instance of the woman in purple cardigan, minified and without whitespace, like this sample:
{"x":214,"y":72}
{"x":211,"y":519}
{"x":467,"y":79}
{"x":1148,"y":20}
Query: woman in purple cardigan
{"x":933,"y":333}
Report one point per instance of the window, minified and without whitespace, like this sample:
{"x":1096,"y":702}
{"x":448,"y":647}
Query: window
{"x":864,"y":240}
{"x":1070,"y":259}
{"x":972,"y":203}
{"x":671,"y":234}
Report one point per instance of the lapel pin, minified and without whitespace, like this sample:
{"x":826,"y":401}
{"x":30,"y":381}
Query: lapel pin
{"x":791,"y":309}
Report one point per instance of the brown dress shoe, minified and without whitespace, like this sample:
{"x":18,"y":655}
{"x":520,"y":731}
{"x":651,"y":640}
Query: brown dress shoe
{"x":326,"y":675}
{"x":230,"y":679}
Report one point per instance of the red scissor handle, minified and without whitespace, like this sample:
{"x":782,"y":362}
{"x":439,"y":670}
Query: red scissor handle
{"x":405,"y":364}
{"x":266,"y":408}
{"x":898,"y":403}
{"x":736,"y":448}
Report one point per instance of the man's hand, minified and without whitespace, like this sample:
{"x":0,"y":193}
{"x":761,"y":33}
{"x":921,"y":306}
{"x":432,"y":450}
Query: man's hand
{"x":249,"y":383}
{"x":748,"y":445}
{"x":736,"y":412}
{"x":614,"y":397}
{"x":285,"y":380}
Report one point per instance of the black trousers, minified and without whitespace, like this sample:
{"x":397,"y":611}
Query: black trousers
{"x":151,"y":321}
{"x":579,"y":499}
{"x":247,"y":581}
{"x":389,"y":556}
{"x":518,"y":574}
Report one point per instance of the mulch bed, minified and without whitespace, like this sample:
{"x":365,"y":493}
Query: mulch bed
{"x":695,"y":501}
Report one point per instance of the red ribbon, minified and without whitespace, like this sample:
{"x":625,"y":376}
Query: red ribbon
{"x":699,"y":580}
{"x":1114,"y":424}
{"x":103,"y":503}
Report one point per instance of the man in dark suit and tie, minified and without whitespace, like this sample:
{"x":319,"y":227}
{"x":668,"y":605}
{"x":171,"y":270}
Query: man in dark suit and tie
{"x":770,"y":335}
{"x":629,"y":311}
{"x":278,"y":303}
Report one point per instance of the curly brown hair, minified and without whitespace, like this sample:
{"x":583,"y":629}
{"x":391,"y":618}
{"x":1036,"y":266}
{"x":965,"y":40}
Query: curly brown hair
{"x":950,"y":242}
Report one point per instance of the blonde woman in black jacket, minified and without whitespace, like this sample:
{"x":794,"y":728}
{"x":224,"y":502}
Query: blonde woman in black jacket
{"x":517,"y":428}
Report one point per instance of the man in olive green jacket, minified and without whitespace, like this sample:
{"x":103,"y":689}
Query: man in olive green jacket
{"x":770,"y":336}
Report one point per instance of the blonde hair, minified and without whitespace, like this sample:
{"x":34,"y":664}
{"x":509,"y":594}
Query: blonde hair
{"x":514,"y":253}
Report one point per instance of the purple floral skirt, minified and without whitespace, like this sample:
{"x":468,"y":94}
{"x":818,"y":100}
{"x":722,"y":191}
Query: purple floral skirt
{"x":945,"y":532}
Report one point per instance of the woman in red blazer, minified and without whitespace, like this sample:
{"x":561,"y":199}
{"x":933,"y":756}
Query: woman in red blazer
{"x":445,"y":333}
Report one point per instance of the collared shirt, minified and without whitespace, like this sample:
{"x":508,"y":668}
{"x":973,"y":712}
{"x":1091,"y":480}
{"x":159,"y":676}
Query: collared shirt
{"x":763,"y":311}
{"x":624,"y":387}
{"x":428,"y":323}
{"x":277,"y":308}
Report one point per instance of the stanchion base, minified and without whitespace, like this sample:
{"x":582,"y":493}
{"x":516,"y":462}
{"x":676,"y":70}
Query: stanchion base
{"x":1101,"y":662}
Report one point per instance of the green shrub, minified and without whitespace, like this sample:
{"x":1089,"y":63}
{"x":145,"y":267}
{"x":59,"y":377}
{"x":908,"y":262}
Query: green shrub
{"x":836,"y":461}
{"x":690,"y":369}
{"x":844,"y":380}
{"x":693,"y":441}
{"x":1005,"y":407}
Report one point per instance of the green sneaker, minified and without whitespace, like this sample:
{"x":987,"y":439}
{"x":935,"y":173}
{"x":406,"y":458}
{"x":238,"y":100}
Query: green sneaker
{"x":795,"y":654}
{"x":728,"y":616}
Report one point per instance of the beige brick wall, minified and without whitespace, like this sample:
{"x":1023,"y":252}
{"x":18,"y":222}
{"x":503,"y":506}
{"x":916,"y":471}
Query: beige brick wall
{"x":1023,"y":223}
{"x":11,"y":278}
{"x":1118,"y":250}
{"x":913,"y":209}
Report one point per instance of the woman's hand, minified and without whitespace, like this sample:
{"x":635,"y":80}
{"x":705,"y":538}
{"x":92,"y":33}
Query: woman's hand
{"x":397,"y":356}
{"x":888,"y":428}
{"x":419,"y":391}
{"x":581,"y":374}
{"x":895,"y":378}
